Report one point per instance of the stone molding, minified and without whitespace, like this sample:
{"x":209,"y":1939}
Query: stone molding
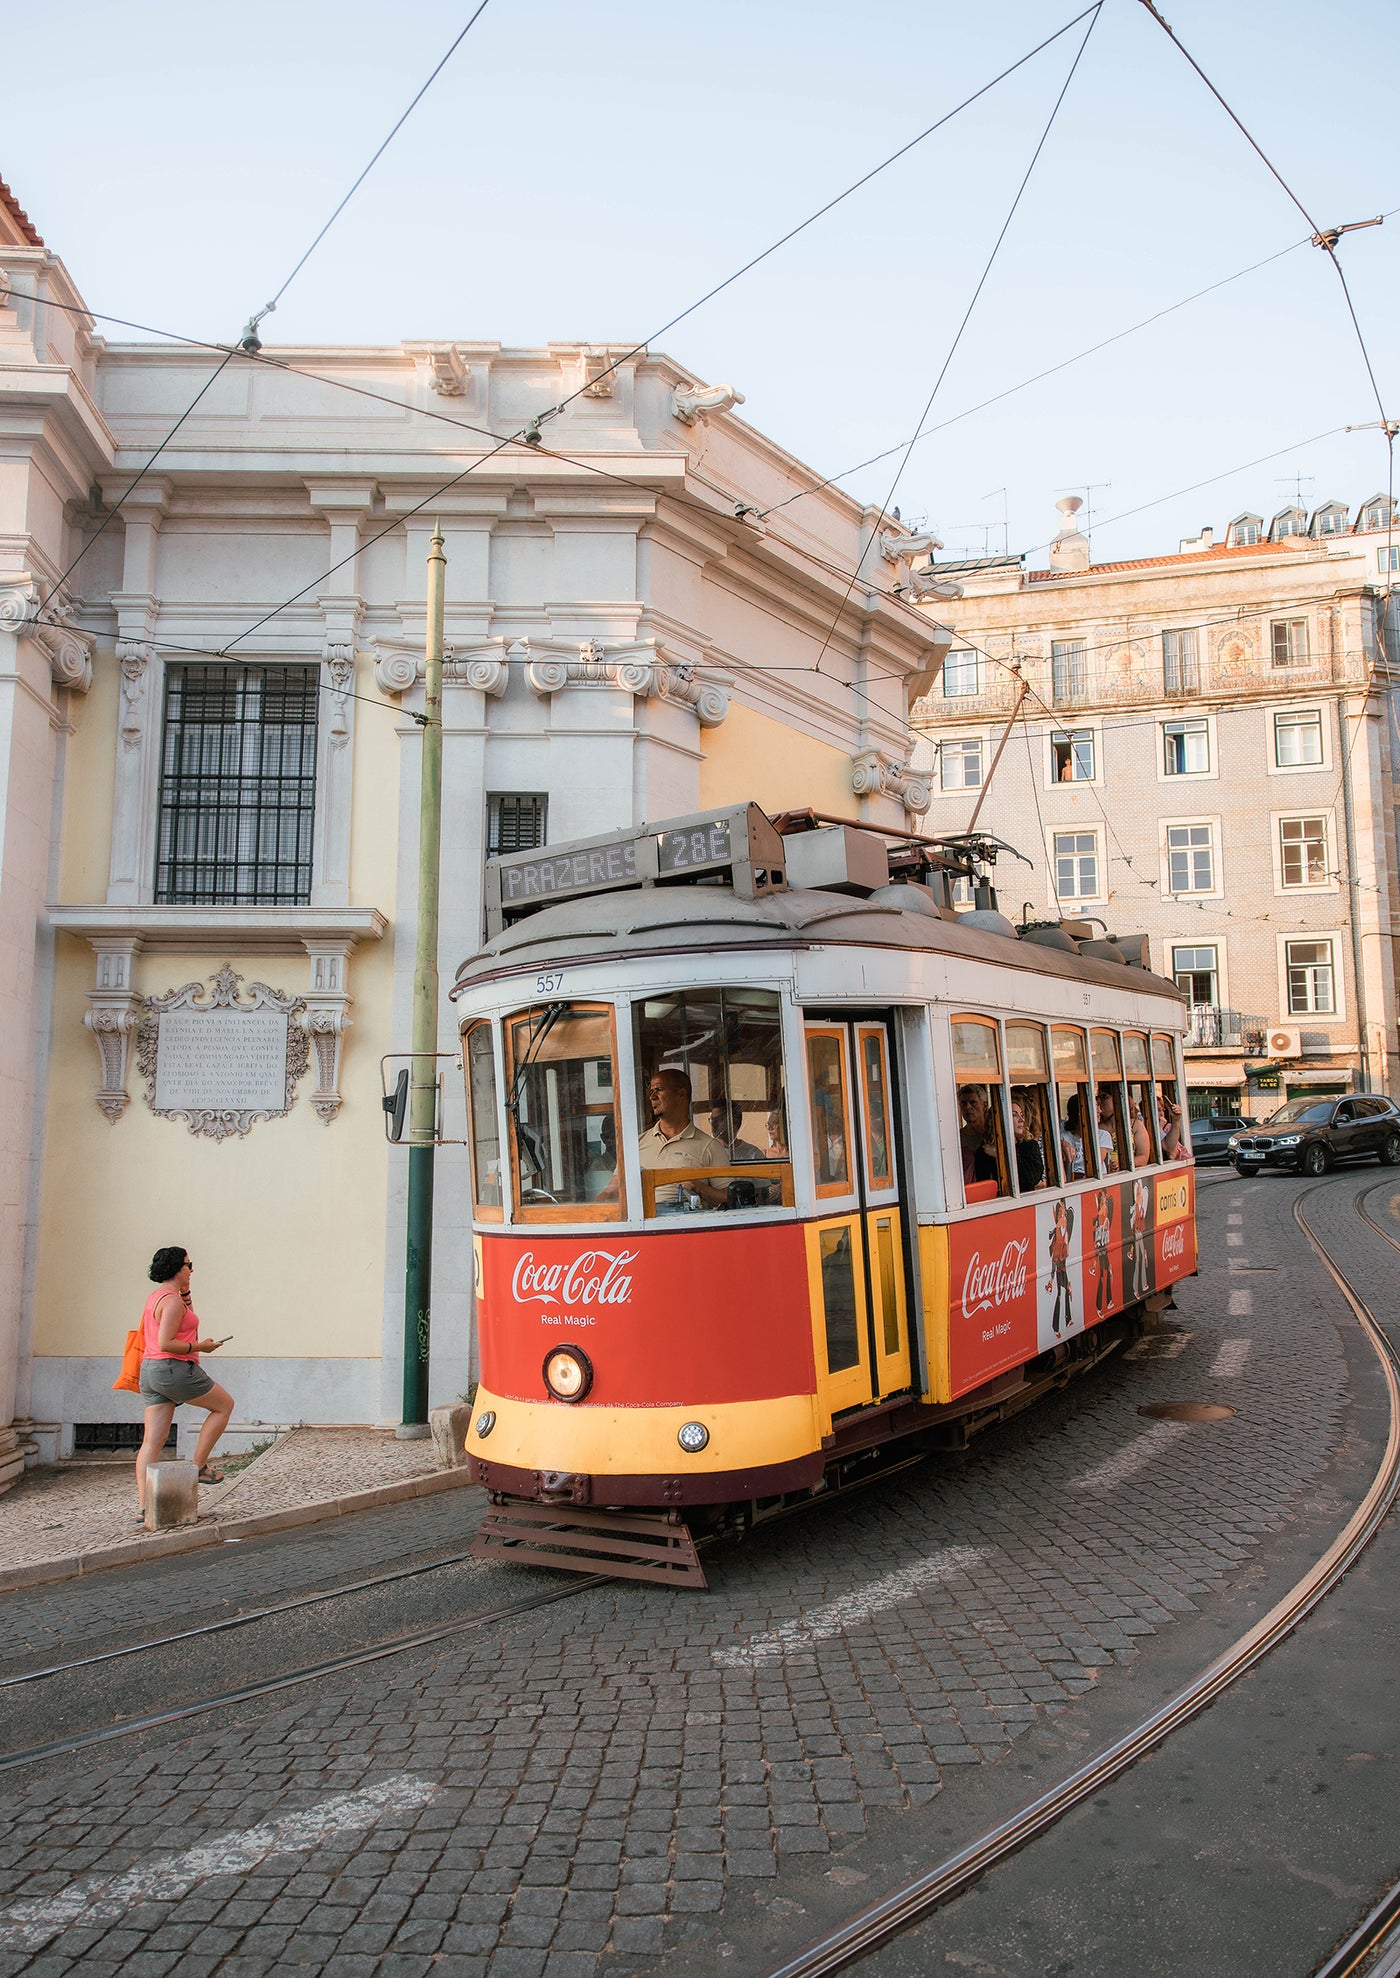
{"x":69,"y":653}
{"x":550,"y":665}
{"x":112,"y":1016}
{"x":224,"y":993}
{"x":875,"y":775}
{"x":325,"y":1017}
{"x":693,"y":404}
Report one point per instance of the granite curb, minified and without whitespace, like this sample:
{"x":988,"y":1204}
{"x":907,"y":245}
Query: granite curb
{"x":216,"y":1531}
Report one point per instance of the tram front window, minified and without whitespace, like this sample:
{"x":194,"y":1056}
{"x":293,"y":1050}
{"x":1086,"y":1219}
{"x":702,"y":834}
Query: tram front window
{"x":562,"y":1101}
{"x":711,"y":1101}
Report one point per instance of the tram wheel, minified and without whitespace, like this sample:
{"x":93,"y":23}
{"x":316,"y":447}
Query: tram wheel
{"x":1316,"y":1159}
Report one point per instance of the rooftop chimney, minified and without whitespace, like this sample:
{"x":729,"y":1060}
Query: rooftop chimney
{"x":1070,"y":549}
{"x":1192,"y":545}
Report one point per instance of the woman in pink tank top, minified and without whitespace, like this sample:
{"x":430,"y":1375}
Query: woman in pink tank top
{"x":170,"y":1369}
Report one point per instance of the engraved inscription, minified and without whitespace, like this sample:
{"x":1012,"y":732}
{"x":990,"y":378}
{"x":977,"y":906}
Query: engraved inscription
{"x":231,"y":1060}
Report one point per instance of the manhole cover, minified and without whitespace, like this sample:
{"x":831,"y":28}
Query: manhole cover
{"x":1187,"y":1411}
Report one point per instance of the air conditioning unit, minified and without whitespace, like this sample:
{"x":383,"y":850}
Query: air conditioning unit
{"x":1284,"y":1043}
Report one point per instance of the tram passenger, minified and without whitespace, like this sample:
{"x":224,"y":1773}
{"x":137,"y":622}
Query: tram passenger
{"x":1072,"y":1140}
{"x":1108,"y":1139}
{"x":1142,"y":1139}
{"x":601,"y":1167}
{"x":674,"y":1141}
{"x":1169,"y":1120}
{"x":1030,"y":1160}
{"x":777,"y":1144}
{"x":979,"y":1161}
{"x":726,"y":1119}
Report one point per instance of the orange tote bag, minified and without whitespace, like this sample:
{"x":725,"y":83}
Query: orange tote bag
{"x":128,"y":1381}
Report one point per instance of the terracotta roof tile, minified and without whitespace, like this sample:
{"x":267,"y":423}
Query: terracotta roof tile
{"x":20,"y":218}
{"x":1289,"y":543}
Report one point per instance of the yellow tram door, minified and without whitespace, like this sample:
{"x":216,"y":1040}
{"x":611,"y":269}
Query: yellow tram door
{"x":855,"y":1246}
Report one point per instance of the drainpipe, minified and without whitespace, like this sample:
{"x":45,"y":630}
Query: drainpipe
{"x":1353,"y":890}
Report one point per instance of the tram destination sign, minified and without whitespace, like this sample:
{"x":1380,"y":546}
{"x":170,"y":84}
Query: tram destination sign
{"x":737,"y":844}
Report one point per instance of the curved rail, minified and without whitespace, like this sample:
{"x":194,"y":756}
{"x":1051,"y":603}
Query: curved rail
{"x":917,"y":1899}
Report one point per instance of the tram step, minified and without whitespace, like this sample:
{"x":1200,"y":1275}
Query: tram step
{"x":624,"y":1545}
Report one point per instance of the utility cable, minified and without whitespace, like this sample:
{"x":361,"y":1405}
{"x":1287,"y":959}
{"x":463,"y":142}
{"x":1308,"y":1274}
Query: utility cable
{"x":962,"y":326}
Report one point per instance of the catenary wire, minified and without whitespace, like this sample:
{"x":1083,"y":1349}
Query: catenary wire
{"x":982,"y":281}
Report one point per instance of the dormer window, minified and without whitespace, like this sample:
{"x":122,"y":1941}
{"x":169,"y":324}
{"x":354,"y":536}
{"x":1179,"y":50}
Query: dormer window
{"x":1330,"y":519}
{"x":1375,"y":513}
{"x":1288,"y":522}
{"x":1244,"y":531}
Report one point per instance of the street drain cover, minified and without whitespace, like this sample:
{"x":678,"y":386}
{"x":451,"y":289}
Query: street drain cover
{"x":1187,"y":1411}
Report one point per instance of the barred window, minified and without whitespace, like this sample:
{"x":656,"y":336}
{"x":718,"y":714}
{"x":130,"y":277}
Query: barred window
{"x":515,"y":821}
{"x":237,"y":786}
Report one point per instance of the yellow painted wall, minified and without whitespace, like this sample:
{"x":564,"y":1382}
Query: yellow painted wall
{"x":286,"y":1226}
{"x":750,"y":758}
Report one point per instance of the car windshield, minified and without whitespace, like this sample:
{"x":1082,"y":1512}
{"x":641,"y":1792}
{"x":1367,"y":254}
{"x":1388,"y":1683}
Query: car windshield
{"x":1313,"y":1112}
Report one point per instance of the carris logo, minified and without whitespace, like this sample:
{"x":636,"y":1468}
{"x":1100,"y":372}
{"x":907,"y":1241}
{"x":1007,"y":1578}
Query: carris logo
{"x":1174,"y":1241}
{"x":997,"y":1283}
{"x":593,"y":1277}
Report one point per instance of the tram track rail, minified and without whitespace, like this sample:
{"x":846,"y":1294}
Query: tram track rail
{"x":916,"y":1900}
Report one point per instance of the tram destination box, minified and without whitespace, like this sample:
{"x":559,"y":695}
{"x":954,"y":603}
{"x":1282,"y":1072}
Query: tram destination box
{"x":738,"y":847}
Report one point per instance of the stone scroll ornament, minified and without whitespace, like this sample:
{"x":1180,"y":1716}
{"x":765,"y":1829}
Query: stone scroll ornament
{"x":221,"y":1059}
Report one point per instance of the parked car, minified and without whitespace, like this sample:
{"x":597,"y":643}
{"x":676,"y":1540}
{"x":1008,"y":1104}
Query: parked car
{"x":1210,"y":1138}
{"x":1312,"y":1135}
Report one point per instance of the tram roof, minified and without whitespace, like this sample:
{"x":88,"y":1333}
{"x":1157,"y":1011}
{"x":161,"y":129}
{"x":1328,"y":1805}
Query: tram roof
{"x":713,"y":919}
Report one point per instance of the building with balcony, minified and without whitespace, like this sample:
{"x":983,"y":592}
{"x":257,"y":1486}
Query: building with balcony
{"x":1201,"y":747}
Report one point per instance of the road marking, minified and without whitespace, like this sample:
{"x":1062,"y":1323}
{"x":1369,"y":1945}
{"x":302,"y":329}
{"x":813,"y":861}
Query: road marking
{"x":1235,"y":1222}
{"x":1141,"y":1451}
{"x":1229,"y":1361}
{"x":1234,"y":1239}
{"x":99,"y":1899}
{"x":1241,"y":1303}
{"x":852,"y":1608}
{"x":1237,"y":1201}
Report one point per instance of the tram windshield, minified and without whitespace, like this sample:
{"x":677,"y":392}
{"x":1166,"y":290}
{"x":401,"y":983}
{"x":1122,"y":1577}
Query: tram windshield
{"x":561,"y":1096}
{"x":711,"y":1101}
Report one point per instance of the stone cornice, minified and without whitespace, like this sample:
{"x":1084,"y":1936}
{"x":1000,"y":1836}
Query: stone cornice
{"x":252,"y":930}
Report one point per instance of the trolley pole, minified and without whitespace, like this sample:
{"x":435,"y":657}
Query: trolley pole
{"x":422,"y":1100}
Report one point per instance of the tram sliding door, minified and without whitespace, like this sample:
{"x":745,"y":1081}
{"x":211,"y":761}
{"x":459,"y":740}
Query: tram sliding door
{"x":855,"y":1248}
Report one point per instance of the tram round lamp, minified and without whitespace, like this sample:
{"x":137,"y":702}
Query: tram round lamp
{"x":486,"y":1421}
{"x":692,"y":1437}
{"x":568,"y":1373}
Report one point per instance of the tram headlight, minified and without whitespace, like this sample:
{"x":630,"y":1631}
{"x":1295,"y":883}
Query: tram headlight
{"x":568,"y":1373}
{"x":486,"y":1421}
{"x":692,"y":1437}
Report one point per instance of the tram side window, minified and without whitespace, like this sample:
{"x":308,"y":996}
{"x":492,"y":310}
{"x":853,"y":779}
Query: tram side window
{"x":485,"y":1122}
{"x":1032,"y":1107}
{"x":562,"y":1100}
{"x":1142,"y":1109}
{"x":1108,"y":1102}
{"x":1171,"y":1113}
{"x":712,"y":1100}
{"x":1073,"y":1106}
{"x":981,"y":1109}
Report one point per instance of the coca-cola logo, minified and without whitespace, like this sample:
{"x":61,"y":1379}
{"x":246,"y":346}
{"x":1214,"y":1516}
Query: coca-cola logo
{"x":1001,"y":1281}
{"x":593,"y":1277}
{"x":1174,"y":1241}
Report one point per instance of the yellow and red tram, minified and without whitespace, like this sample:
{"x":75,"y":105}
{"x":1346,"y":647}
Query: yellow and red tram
{"x":779,"y":1161}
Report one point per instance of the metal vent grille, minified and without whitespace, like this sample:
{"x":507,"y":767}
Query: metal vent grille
{"x":515,"y":822}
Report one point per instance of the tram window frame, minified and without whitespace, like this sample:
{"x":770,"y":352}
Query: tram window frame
{"x":1109,"y":1082}
{"x":606,"y":1208}
{"x":703,"y":1020}
{"x":1039,"y":1091}
{"x":1080,"y":1088}
{"x":965,"y":1077}
{"x":1167,"y":1079}
{"x":877,"y":1181}
{"x":485,"y":1210}
{"x":1138,"y":1079}
{"x":836,"y":1187}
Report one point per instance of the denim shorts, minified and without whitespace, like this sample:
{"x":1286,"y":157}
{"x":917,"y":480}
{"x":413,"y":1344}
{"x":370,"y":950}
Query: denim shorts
{"x":173,"y":1380}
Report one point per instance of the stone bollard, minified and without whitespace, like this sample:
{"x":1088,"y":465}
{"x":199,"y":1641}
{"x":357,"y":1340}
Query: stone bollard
{"x":449,"y":1426}
{"x":172,"y":1496}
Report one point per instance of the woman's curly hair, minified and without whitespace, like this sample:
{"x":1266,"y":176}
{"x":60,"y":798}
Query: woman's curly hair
{"x":167,"y":1263}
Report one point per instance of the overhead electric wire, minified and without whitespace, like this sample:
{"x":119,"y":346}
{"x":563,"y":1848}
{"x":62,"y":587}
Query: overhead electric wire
{"x":1093,"y":14}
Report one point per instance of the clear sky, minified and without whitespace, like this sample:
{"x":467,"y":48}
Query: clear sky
{"x":586,"y":172}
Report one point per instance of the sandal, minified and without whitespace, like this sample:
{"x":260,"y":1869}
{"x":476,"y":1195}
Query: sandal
{"x":209,"y":1475}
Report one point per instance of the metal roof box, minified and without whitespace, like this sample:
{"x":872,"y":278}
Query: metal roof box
{"x":837,"y":859}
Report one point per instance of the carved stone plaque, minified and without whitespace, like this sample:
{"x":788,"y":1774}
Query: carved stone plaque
{"x":221,"y":1059}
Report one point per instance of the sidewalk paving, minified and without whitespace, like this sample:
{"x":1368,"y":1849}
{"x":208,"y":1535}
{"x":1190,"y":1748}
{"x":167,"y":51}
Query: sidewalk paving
{"x":62,"y":1521}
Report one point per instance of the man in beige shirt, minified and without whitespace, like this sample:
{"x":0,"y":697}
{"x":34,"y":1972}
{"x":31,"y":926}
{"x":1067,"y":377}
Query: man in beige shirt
{"x":675,"y":1141}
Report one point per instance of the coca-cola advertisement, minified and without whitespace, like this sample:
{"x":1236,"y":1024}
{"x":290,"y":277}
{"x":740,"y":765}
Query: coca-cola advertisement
{"x":992,"y":1297}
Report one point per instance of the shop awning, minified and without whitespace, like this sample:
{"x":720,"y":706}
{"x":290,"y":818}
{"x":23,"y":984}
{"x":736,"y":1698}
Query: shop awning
{"x":1200,"y":1075}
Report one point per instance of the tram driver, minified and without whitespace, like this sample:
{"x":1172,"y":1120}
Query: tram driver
{"x":674,"y":1140}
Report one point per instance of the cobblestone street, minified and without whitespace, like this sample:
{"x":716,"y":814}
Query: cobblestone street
{"x":590,"y":1788}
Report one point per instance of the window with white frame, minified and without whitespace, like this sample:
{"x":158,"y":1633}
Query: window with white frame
{"x":1072,"y":756}
{"x":1190,"y":858}
{"x":962,"y":892}
{"x":1069,"y":670}
{"x":1186,"y":748}
{"x":960,"y":764}
{"x":1181,"y":666}
{"x":1298,"y":738}
{"x":1077,"y":865}
{"x":1388,"y":557}
{"x":1288,"y":640}
{"x":961,"y":675}
{"x":1303,"y":851}
{"x":1311,"y":978}
{"x":1197,"y":973}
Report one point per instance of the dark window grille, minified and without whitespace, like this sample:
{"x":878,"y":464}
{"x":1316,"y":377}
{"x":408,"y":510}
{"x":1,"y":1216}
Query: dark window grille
{"x":107,"y":1436}
{"x":515,"y":822}
{"x":237,"y":786}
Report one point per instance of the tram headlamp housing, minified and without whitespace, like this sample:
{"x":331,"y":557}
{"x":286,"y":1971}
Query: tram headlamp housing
{"x":692,"y":1437}
{"x":486,"y":1421}
{"x":568,"y":1373}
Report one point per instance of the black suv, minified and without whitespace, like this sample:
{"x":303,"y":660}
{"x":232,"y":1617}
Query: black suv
{"x":1312,"y":1135}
